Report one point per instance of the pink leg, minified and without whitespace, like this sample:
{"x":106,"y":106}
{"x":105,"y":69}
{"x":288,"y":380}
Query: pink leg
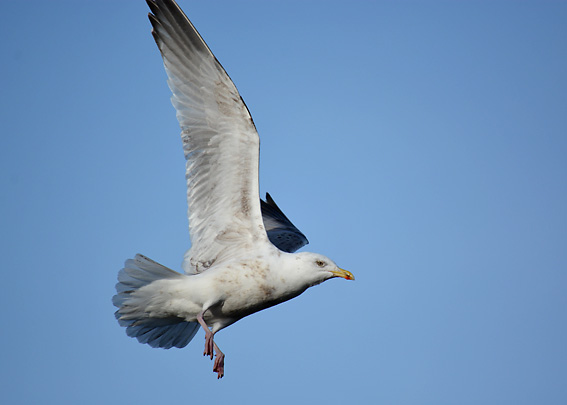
{"x":210,"y":344}
{"x":218,"y":367}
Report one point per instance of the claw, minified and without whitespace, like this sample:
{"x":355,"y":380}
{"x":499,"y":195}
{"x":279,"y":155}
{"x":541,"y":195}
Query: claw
{"x":218,"y":367}
{"x":209,"y":344}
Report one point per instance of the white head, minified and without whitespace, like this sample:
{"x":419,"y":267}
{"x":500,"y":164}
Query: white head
{"x":316,"y":268}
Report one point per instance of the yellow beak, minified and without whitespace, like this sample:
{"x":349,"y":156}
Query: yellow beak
{"x":343,"y":273}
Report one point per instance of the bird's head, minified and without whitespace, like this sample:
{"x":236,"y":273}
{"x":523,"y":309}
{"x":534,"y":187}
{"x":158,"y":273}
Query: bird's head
{"x":319,"y":268}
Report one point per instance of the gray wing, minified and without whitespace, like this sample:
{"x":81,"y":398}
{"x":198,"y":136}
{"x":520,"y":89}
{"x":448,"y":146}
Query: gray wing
{"x":281,"y":232}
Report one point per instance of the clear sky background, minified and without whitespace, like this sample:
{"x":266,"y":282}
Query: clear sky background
{"x":421,"y":145}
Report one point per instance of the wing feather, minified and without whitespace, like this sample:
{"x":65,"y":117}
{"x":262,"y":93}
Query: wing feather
{"x":220,"y":143}
{"x":281,"y":231}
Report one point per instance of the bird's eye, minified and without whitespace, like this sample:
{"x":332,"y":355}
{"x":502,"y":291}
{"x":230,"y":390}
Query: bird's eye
{"x":321,"y":263}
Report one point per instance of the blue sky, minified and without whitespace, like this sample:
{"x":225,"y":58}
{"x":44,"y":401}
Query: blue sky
{"x":421,"y":145}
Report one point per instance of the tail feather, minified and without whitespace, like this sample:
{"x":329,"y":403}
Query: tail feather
{"x":157,"y":332}
{"x":167,"y":336}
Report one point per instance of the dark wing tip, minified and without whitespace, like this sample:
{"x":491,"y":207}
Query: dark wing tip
{"x":270,"y":200}
{"x":281,"y":231}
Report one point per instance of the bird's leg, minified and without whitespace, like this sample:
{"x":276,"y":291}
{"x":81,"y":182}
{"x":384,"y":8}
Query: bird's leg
{"x":209,"y":342}
{"x":218,"y":367}
{"x":210,"y":345}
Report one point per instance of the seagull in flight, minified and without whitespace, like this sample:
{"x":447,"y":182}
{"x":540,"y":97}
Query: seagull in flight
{"x":242,"y":257}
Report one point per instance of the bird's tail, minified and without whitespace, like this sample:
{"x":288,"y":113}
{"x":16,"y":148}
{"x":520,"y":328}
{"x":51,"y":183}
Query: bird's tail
{"x":157,"y":332}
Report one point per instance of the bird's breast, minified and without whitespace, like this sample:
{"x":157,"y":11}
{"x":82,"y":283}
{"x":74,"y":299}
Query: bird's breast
{"x":248,"y":287}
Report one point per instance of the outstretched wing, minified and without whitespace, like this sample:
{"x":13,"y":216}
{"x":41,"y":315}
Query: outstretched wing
{"x":281,"y":232}
{"x":220,"y":142}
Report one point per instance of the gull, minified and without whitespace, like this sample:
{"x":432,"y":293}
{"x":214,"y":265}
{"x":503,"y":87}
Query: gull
{"x":242,"y":257}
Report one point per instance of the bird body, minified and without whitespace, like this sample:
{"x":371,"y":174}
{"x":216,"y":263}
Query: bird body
{"x":228,"y":292}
